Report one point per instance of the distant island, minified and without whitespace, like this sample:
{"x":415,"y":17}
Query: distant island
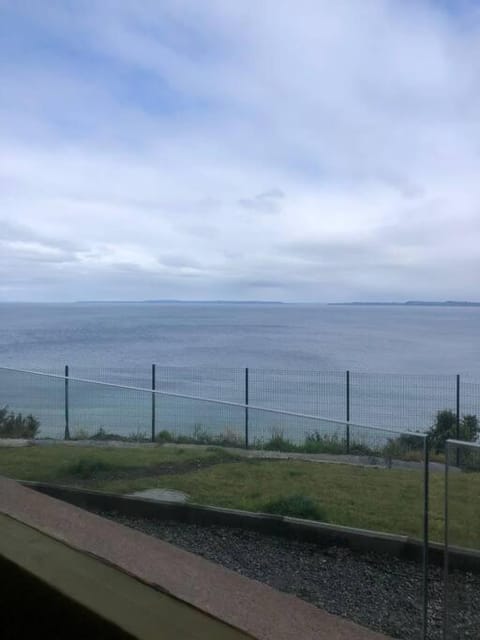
{"x":178,"y":302}
{"x":412,"y":303}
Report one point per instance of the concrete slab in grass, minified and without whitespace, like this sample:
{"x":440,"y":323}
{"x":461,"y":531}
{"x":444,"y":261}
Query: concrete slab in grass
{"x":162,"y":495}
{"x":14,"y":442}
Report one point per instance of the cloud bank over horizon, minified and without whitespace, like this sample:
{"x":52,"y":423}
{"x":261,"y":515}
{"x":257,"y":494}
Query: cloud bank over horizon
{"x":307,"y":151}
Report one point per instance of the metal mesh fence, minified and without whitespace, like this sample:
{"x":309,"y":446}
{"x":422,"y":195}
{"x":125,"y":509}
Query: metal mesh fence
{"x":196,"y":419}
{"x":216,"y":383}
{"x":312,"y":392}
{"x":403,"y":401}
{"x":102,"y":411}
{"x":41,"y":396}
{"x":199,"y":421}
{"x":132,"y":376}
{"x":469,"y":396}
{"x":462,"y":541}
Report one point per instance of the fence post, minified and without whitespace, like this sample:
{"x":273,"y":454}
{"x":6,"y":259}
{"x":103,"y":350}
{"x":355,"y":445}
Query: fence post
{"x":67,"y":417}
{"x":426,"y":516}
{"x":347,"y":439}
{"x":445,"y":544}
{"x":153,"y":401}
{"x":457,"y":433}
{"x":457,"y":418}
{"x":246,"y":408}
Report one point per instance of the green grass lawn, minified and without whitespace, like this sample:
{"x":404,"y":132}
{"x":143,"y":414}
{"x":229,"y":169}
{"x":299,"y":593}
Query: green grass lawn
{"x":81,"y":465}
{"x":389,"y":500}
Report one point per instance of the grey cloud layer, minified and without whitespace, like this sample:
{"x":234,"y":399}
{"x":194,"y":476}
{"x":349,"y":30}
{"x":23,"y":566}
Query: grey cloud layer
{"x":309,"y":152}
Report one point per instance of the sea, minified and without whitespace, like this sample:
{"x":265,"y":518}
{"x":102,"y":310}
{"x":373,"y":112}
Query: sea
{"x":404,"y":363}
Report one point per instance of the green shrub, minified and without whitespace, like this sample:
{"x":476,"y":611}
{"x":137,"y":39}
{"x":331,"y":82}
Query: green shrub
{"x":80,"y":434}
{"x":278,"y":443}
{"x":138,"y":436}
{"x":295,"y":506}
{"x":445,"y":427}
{"x":404,"y":447}
{"x":317,"y":442}
{"x":200,"y":435}
{"x":15,"y":425}
{"x":360,"y":449}
{"x":164,"y":436}
{"x":86,"y":468}
{"x":101,"y":434}
{"x":469,"y":428}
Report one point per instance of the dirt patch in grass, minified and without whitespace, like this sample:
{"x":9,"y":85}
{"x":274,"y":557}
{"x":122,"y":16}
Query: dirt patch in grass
{"x":91,"y":473}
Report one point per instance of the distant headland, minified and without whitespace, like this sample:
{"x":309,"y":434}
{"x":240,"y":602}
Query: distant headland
{"x":413,"y":303}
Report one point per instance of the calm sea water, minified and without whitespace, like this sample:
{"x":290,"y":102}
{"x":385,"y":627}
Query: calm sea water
{"x":119,"y":342}
{"x":433,"y":340}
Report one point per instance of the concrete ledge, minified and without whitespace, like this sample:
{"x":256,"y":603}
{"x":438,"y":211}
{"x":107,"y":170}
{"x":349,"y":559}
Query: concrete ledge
{"x":307,"y":530}
{"x":310,"y":531}
{"x":70,"y":595}
{"x":240,"y":603}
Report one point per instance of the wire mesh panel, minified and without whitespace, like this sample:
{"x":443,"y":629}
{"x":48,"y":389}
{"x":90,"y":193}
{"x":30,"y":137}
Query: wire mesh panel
{"x":207,"y":382}
{"x":126,"y":375}
{"x":186,"y":417}
{"x":101,"y":411}
{"x":400,"y":401}
{"x":469,"y":397}
{"x":309,"y":392}
{"x":186,"y":420}
{"x":41,"y":396}
{"x":277,"y":431}
{"x":462,"y":541}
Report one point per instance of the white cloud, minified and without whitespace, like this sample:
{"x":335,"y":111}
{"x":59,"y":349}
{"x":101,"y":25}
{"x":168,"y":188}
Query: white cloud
{"x":259,"y":149}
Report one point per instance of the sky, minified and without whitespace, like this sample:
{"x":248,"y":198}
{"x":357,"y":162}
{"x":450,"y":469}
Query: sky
{"x":305,"y":151}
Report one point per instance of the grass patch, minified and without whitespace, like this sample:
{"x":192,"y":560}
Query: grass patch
{"x":296,"y":506}
{"x":379,"y":499}
{"x":227,"y":438}
{"x":86,"y":468}
{"x":389,"y":500}
{"x":404,"y":447}
{"x":102,"y":435}
{"x":58,"y":462}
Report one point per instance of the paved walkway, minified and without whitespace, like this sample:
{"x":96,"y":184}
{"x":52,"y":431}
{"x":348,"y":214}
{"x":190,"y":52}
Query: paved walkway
{"x":245,"y":604}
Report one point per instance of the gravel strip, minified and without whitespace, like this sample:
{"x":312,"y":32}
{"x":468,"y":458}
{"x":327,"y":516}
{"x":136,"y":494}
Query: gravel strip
{"x":374,"y":590}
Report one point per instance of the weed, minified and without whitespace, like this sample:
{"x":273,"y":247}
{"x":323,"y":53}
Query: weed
{"x":86,"y":468}
{"x":15,"y":425}
{"x":296,"y":506}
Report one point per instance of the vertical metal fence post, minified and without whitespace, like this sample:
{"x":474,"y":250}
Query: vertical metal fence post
{"x":445,"y":546}
{"x":153,"y":401}
{"x":457,"y":420}
{"x":426,"y":515}
{"x":246,"y":408}
{"x":67,"y":407}
{"x":457,"y":410}
{"x":347,"y":439}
